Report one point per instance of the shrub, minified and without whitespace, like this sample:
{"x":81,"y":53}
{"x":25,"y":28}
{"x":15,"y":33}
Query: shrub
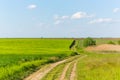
{"x":111,"y":42}
{"x":119,"y":42}
{"x":74,"y":53}
{"x":53,"y":59}
{"x":72,"y":44}
{"x":89,"y":42}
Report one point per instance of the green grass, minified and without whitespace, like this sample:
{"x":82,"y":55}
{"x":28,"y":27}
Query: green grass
{"x":98,"y":41}
{"x":99,"y":67}
{"x":20,"y":57}
{"x":68,"y":73}
{"x":55,"y":73}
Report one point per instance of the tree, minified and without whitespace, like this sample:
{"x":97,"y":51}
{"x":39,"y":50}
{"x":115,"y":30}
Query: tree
{"x":89,"y":42}
{"x":72,"y":44}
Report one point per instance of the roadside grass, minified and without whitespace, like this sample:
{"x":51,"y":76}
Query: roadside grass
{"x":99,"y":67}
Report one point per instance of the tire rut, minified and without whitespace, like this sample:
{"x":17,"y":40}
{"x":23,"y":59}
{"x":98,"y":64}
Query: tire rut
{"x":40,"y":74}
{"x":62,"y":77}
{"x":73,"y":73}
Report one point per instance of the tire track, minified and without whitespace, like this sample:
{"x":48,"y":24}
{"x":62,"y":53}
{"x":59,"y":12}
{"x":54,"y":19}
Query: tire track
{"x":73,"y":73}
{"x":62,"y":77}
{"x":46,"y":69}
{"x":41,"y":73}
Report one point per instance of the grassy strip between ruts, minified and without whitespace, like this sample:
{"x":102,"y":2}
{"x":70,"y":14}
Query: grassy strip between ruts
{"x":68,"y":73}
{"x":57,"y":71}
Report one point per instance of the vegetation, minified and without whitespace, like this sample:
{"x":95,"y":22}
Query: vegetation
{"x":72,"y":44}
{"x":111,"y":42}
{"x":20,"y":57}
{"x":89,"y":42}
{"x":99,"y":67}
{"x":92,"y":67}
{"x":118,"y":42}
{"x":55,"y":74}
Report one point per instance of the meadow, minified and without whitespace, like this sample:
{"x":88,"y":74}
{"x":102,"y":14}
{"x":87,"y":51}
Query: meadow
{"x":98,"y":66}
{"x":20,"y":57}
{"x":103,"y":65}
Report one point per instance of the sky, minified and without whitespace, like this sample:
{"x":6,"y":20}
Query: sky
{"x":59,"y":18}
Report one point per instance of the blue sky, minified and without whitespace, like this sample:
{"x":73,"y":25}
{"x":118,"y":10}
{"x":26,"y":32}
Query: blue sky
{"x":60,"y":18}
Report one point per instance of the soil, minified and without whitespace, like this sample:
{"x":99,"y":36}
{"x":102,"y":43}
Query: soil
{"x":104,"y":47}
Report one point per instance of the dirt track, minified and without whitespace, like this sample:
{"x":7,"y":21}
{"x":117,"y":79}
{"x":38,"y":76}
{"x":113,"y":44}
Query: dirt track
{"x":62,"y":77}
{"x":45,"y":70}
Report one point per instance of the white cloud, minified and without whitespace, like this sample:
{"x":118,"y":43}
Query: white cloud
{"x":79,"y":15}
{"x":64,"y":17}
{"x":60,"y":19}
{"x":57,"y":17}
{"x":57,"y":22}
{"x":32,"y":6}
{"x":115,"y":10}
{"x":101,"y":20}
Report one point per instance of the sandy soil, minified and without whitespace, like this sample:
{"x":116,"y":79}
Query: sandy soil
{"x":104,"y":47}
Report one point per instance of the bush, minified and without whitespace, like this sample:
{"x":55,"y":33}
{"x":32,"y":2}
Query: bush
{"x":89,"y":42}
{"x":111,"y":42}
{"x":119,"y":42}
{"x":74,"y":53}
{"x":53,"y":59}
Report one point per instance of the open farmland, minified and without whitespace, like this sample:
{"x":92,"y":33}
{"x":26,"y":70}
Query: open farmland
{"x":50,"y":59}
{"x":20,"y":57}
{"x":87,"y":66}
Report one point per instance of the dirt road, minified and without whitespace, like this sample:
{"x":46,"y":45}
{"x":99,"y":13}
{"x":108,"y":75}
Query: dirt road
{"x":43,"y":71}
{"x":48,"y":68}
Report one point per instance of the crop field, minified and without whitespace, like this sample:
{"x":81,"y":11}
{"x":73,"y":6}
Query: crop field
{"x":51,"y":59}
{"x":20,"y":57}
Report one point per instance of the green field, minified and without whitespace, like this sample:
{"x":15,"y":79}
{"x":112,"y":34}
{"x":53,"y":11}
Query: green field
{"x":20,"y":57}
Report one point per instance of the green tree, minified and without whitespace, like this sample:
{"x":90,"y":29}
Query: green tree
{"x":89,"y":42}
